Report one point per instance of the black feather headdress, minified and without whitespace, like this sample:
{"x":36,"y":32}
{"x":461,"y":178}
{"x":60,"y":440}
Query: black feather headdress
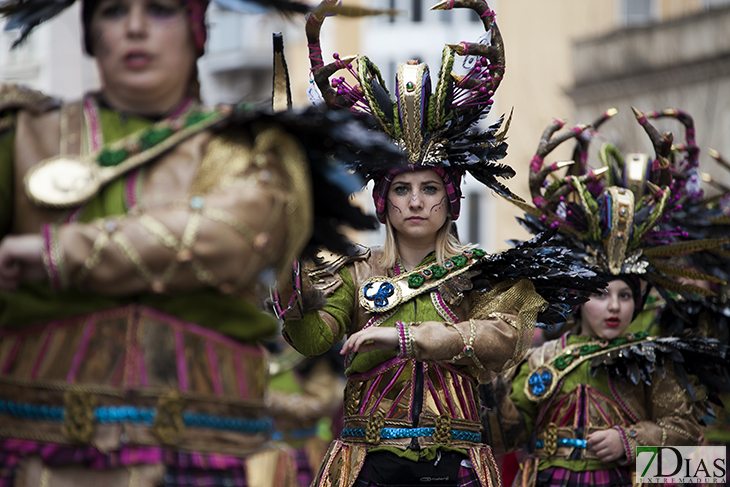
{"x":625,"y":218}
{"x":435,"y":126}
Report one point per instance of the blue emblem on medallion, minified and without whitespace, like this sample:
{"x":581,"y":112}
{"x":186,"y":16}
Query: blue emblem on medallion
{"x":540,"y":381}
{"x":380,"y":297}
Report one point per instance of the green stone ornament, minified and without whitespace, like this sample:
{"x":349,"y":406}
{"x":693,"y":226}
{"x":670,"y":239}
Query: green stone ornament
{"x":196,"y":117}
{"x":415,"y":281}
{"x":153,"y":137}
{"x":459,"y":261}
{"x":438,"y":271}
{"x":108,"y":158}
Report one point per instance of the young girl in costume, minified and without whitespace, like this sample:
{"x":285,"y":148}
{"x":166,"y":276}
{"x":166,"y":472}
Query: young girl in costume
{"x":420,"y":335}
{"x":582,"y":403}
{"x":134,"y":224}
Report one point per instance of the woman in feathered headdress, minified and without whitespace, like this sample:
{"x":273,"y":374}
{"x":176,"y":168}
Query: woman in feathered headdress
{"x":135,"y":224}
{"x":581,"y":404}
{"x":427,"y":318}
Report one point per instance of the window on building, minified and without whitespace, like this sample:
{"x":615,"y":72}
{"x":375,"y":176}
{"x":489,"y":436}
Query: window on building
{"x":637,"y":12}
{"x":416,"y":10}
{"x":709,"y":4}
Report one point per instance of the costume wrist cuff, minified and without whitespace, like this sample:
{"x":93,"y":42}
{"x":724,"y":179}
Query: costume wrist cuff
{"x":295,"y":297}
{"x":468,"y":350}
{"x":52,"y":257}
{"x":405,"y":340}
{"x":626,"y":444}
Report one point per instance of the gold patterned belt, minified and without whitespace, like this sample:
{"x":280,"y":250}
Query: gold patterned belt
{"x":560,"y":443}
{"x":132,"y":375}
{"x":438,"y":430}
{"x":380,"y":405}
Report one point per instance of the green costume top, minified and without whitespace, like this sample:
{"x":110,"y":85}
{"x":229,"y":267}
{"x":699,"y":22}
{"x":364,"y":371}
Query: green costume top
{"x":530,"y":409}
{"x":572,"y":387}
{"x":32,"y":303}
{"x":313,"y":336}
{"x":440,"y":332}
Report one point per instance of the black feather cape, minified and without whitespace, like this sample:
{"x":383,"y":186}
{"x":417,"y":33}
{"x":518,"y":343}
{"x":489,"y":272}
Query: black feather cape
{"x":705,"y":359}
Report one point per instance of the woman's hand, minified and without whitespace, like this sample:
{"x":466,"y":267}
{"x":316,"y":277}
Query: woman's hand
{"x":606,"y":445}
{"x":20,"y":260}
{"x":369,"y":339}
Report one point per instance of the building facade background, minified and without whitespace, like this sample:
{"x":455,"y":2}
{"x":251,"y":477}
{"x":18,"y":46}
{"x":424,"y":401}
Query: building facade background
{"x":567,"y":59}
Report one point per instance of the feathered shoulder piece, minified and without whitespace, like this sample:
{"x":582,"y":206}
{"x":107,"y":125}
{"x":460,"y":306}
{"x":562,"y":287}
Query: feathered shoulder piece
{"x":327,"y":263}
{"x":614,"y":216}
{"x":14,"y":97}
{"x":644,"y":357}
{"x":332,"y":140}
{"x":560,"y":278}
{"x":436,"y":125}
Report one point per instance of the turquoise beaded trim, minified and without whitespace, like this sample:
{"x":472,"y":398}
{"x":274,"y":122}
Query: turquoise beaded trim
{"x":399,"y":433}
{"x":574,"y":442}
{"x":135,"y":415}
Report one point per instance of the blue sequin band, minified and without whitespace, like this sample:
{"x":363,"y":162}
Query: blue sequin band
{"x":396,"y":433}
{"x":135,"y":415}
{"x":574,"y":442}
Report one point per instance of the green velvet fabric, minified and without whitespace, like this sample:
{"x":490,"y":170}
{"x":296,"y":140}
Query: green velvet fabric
{"x":312,"y":336}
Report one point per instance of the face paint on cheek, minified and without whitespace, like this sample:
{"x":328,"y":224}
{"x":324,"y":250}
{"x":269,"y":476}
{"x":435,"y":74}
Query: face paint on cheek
{"x":439,"y":205}
{"x":394,"y":207}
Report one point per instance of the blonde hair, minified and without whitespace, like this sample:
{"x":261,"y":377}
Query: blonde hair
{"x":447,"y":244}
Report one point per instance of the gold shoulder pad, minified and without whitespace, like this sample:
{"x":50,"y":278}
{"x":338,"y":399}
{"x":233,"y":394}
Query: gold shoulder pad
{"x":327,"y":264}
{"x":14,"y":97}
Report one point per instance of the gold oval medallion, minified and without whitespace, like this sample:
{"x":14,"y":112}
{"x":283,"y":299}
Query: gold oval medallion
{"x":62,"y":182}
